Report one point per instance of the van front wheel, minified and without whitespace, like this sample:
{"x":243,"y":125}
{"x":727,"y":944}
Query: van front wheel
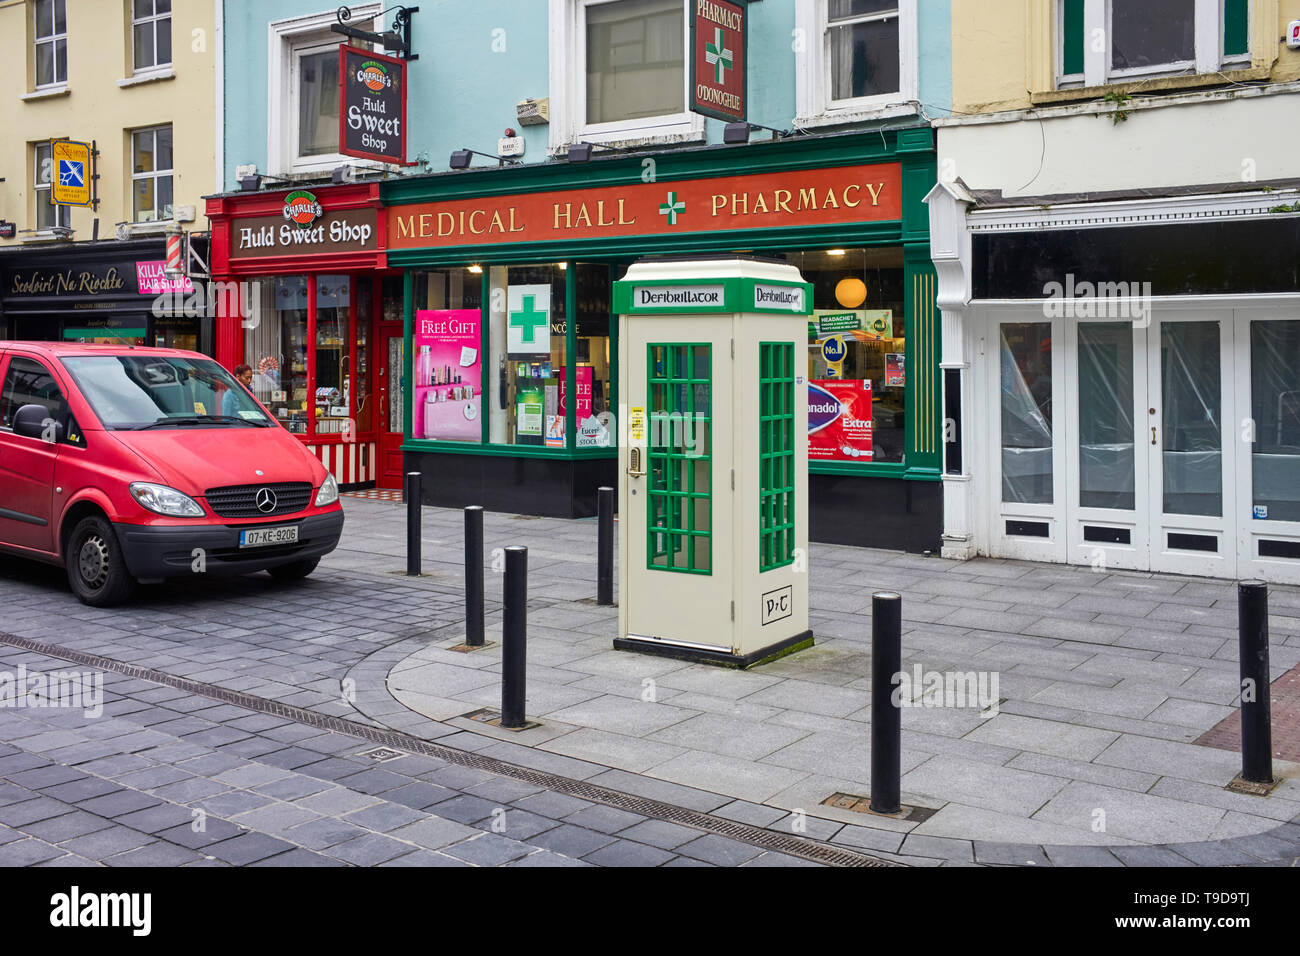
{"x":97,"y":571}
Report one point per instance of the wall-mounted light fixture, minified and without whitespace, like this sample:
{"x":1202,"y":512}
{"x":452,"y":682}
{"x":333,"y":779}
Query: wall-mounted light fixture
{"x":461,"y":158}
{"x":734,"y":133}
{"x":581,"y":152}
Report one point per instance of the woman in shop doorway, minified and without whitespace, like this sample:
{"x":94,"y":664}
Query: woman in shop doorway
{"x":229,"y":403}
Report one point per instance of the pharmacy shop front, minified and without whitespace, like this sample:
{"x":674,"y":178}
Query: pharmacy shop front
{"x":512,"y":347}
{"x":306,"y":303}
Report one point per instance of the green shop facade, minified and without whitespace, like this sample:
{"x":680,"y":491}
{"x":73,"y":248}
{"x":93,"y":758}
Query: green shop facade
{"x":504,"y":375}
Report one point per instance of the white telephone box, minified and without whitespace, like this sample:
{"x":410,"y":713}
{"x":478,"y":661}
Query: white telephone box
{"x":713,"y":462}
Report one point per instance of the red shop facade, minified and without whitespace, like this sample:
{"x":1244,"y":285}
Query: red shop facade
{"x":309,"y":305}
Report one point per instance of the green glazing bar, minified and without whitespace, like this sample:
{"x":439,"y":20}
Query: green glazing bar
{"x":776,"y":455}
{"x":680,"y":513}
{"x":1071,"y":37}
{"x":1236,"y":27}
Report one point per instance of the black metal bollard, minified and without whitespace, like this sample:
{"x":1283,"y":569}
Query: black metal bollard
{"x":1252,"y":651}
{"x":886,"y":719}
{"x":411,"y":492}
{"x":474,"y":576}
{"x":514,"y":638}
{"x":605,"y":546}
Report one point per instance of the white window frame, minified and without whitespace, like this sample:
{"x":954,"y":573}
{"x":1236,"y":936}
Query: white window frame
{"x":40,"y":190}
{"x":154,"y":18}
{"x":53,"y":40}
{"x":814,"y":105}
{"x":568,"y":76}
{"x":1208,"y":56}
{"x":153,"y":174}
{"x":286,"y":41}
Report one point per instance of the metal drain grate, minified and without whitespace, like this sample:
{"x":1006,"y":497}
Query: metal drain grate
{"x":381,"y":754}
{"x":392,"y":739}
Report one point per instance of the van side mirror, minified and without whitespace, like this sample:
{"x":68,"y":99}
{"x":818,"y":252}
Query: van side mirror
{"x":34,"y":421}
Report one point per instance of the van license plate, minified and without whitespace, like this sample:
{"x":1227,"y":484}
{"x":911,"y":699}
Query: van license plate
{"x":261,"y":537}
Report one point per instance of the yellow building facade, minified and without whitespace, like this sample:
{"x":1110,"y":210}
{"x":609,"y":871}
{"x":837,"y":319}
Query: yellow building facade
{"x":137,"y":78}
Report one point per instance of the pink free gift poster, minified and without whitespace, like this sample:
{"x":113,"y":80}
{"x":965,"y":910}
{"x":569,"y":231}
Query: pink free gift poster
{"x":448,"y":391}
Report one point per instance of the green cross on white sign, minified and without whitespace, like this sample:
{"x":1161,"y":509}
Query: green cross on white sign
{"x":672,"y":208}
{"x":528,"y":320}
{"x":718,"y":56}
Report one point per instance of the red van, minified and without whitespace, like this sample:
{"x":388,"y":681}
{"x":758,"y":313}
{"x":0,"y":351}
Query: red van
{"x":129,"y":465}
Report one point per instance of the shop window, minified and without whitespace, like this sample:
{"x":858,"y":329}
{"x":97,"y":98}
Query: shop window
{"x":151,"y":174}
{"x":1145,"y":37}
{"x":333,"y":392}
{"x":594,"y":413}
{"x":48,"y":215}
{"x":151,"y":34}
{"x":50,"y":20}
{"x":619,"y":72}
{"x":526,"y":318}
{"x":275,"y":345}
{"x":857,"y":348}
{"x":1026,"y":390}
{"x":858,"y":61}
{"x":365,"y":405}
{"x":1275,"y":409}
{"x":447,"y":366}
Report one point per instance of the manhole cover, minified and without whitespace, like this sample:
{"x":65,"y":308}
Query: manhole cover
{"x":860,"y":804}
{"x":380,"y":754}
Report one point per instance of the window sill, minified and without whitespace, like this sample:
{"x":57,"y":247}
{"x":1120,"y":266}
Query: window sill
{"x":155,"y":227}
{"x":862,"y":114}
{"x":46,"y":235}
{"x":668,"y":134}
{"x":1150,"y":84}
{"x":47,"y":94}
{"x":143,"y":77}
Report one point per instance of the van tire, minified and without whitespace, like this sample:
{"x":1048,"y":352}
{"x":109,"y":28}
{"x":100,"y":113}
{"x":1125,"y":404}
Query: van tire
{"x":295,"y":571}
{"x":97,"y":570}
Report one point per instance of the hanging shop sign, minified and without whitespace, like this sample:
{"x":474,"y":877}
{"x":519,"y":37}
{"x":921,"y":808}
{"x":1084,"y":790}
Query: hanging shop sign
{"x":839,"y":419}
{"x":810,"y":197}
{"x":70,"y":179}
{"x":372,"y":111}
{"x":719,"y":58}
{"x":448,"y":375}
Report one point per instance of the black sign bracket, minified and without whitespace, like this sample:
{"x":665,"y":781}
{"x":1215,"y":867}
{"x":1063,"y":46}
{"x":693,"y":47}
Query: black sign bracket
{"x":398,"y":39}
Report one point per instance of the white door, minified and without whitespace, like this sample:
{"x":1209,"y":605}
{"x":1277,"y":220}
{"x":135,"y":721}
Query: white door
{"x":678,"y":503}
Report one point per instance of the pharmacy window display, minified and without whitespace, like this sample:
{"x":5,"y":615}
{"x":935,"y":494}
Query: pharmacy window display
{"x":527,"y":333}
{"x":857,"y":372}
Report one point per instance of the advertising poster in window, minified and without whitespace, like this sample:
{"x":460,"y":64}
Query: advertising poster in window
{"x":895,"y":363}
{"x":372,"y":114}
{"x":839,"y":420}
{"x":448,"y":392}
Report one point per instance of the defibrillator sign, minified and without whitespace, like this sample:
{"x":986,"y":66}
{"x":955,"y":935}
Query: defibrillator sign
{"x":71,"y":176}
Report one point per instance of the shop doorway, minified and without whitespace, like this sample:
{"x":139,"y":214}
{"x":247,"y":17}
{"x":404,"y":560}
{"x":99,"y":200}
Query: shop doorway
{"x":1166,"y":443}
{"x":391,"y":379}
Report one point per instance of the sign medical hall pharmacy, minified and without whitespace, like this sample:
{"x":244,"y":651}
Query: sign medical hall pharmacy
{"x":719,"y":29}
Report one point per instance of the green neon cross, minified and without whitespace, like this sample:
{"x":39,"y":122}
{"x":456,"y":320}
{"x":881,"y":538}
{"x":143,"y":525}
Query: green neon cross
{"x":672,"y":208}
{"x":528,"y":320}
{"x":718,"y":56}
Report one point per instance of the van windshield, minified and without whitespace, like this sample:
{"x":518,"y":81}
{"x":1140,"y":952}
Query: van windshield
{"x":145,"y":391}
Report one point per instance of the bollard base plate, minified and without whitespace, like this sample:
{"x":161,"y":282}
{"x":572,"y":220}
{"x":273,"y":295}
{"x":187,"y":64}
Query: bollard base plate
{"x":463,"y":648}
{"x":1252,"y":788}
{"x":488,"y":715}
{"x":859,"y":804}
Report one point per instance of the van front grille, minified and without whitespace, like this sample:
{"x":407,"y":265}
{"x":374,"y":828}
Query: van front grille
{"x":241,"y":501}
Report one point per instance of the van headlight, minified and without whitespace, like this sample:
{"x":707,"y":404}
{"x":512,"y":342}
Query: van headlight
{"x":162,"y":500}
{"x":329,"y":492}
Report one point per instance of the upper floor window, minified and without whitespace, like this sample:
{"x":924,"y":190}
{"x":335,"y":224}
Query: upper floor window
{"x":618,"y":72}
{"x":1104,"y":41}
{"x":48,"y":215}
{"x":151,"y":176}
{"x":51,"y":37}
{"x":855,"y":59}
{"x":303,"y":91}
{"x":151,"y":33}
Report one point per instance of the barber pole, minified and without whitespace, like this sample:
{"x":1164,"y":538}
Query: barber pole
{"x":173,"y":266}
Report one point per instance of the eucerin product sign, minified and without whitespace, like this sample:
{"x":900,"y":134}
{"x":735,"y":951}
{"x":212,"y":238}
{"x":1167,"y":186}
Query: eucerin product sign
{"x":678,"y":297}
{"x":778,"y":297}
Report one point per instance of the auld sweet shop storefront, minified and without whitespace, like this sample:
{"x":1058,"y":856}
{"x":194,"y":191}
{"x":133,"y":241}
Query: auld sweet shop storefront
{"x":511,"y":343}
{"x":308,"y":305}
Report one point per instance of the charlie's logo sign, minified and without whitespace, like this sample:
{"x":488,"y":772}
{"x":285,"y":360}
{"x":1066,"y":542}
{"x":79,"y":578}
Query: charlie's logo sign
{"x":301,"y":207}
{"x":374,"y":76}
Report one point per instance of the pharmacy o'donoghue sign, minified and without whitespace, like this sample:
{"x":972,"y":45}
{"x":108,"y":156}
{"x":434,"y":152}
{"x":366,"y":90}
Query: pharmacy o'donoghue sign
{"x":719,"y":58}
{"x":811,"y":197}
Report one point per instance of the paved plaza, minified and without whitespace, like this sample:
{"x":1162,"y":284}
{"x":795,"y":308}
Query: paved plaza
{"x":1105,"y":684}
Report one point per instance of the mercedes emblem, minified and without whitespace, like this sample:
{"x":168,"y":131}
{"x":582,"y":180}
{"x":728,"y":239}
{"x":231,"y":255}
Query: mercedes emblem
{"x":266,"y":500}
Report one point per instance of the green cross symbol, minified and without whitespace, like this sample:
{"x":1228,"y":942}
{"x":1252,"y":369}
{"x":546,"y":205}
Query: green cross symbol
{"x":672,"y":208}
{"x":528,"y":320}
{"x":718,"y":56}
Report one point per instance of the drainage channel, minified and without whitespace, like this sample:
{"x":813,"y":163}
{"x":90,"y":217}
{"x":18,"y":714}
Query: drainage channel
{"x":755,"y":836}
